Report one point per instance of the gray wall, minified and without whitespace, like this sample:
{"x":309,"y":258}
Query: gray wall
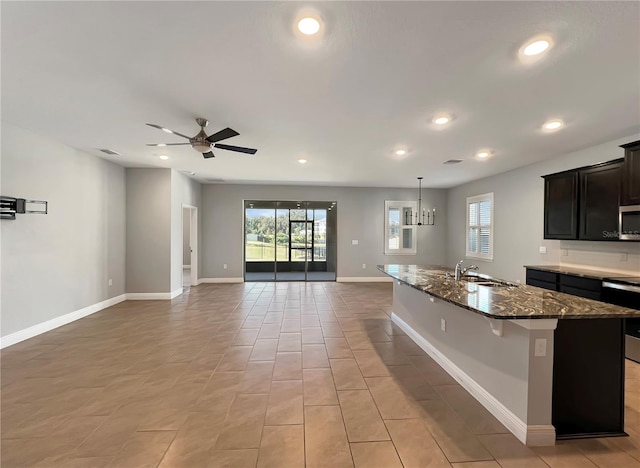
{"x":188,"y":192}
{"x":186,"y":248}
{"x":518,"y":220}
{"x":360,"y":216}
{"x":148,"y":230}
{"x":61,"y":262}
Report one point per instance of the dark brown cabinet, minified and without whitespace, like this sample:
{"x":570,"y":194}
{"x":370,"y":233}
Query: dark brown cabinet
{"x":561,"y":205}
{"x":582,"y":204}
{"x":630,"y":193}
{"x":599,"y":201}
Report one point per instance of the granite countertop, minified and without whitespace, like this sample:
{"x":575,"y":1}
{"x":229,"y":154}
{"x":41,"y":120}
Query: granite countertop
{"x":585,"y":273}
{"x":508,"y":301}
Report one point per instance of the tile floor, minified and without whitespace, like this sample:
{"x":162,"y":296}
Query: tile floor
{"x":259,"y":375}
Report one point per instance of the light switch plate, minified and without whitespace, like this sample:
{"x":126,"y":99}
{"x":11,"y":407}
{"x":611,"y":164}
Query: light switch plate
{"x":354,"y":241}
{"x":542,"y":249}
{"x":540,"y":346}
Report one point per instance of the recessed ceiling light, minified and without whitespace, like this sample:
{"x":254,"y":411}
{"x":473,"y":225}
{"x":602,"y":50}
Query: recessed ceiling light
{"x":309,"y":26}
{"x":552,"y":125}
{"x":483,"y":154}
{"x":164,"y":157}
{"x":302,"y":161}
{"x":536,"y":47}
{"x":442,"y":119}
{"x":401,"y":152}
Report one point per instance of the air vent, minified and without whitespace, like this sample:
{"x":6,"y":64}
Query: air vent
{"x":453,"y":161}
{"x":189,"y":173}
{"x":108,"y":151}
{"x":215,"y":181}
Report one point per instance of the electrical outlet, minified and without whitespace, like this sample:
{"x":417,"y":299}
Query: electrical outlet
{"x":443,"y":325}
{"x":110,"y":282}
{"x":224,"y":266}
{"x":623,"y":257}
{"x":542,"y":249}
{"x":540,"y":347}
{"x":364,"y":266}
{"x":564,"y":252}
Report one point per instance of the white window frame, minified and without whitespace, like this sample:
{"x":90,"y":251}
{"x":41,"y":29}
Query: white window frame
{"x":412,"y":205}
{"x":477,"y":199}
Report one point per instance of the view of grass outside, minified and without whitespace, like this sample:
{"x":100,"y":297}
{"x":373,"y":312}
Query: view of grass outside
{"x":263,"y":226}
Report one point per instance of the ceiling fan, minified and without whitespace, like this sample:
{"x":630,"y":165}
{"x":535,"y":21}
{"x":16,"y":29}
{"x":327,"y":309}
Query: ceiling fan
{"x":203,"y":143}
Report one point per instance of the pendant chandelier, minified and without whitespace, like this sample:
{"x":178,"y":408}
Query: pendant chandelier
{"x":422,"y":217}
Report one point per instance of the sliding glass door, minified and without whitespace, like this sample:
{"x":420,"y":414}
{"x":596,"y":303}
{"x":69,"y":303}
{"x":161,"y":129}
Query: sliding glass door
{"x":290,"y":241}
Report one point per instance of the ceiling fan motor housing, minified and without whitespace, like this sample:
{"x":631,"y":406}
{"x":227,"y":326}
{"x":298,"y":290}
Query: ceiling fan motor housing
{"x":199,"y":142}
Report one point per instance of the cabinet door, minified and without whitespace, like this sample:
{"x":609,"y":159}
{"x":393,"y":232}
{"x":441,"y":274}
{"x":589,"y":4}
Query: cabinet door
{"x":630,"y":194}
{"x":561,"y":206}
{"x":599,"y":199}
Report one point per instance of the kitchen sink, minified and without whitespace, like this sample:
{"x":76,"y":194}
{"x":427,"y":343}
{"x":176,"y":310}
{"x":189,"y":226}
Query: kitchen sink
{"x":480,"y":281}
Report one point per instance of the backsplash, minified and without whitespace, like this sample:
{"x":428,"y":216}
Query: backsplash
{"x":615,"y":256}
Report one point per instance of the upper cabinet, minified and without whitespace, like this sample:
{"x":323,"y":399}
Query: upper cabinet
{"x":561,"y":205}
{"x":583,"y":203}
{"x":630,"y":193}
{"x":599,"y":200}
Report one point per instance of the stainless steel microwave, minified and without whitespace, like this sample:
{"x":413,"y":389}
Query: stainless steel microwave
{"x":629,"y":222}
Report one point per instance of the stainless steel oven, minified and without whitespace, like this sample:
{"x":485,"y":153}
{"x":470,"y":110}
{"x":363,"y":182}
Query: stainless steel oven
{"x":629,"y":222}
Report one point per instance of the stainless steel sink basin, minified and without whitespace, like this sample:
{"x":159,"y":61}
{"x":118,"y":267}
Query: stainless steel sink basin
{"x":480,"y":281}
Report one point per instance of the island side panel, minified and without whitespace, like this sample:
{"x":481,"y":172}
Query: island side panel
{"x":497,"y":370}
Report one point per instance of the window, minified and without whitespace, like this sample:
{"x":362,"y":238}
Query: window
{"x":480,"y":226}
{"x":399,"y":235}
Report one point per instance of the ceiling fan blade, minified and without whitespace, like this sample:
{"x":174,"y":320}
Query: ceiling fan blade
{"x":222,"y":135}
{"x":209,"y":155}
{"x":165,"y":129}
{"x":167,"y":144}
{"x":239,"y":149}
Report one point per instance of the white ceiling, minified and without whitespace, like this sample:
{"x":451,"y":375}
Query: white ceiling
{"x":91,"y":74}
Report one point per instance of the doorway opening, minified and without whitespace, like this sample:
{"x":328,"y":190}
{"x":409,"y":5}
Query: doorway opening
{"x":189,"y":246}
{"x":290,"y":240}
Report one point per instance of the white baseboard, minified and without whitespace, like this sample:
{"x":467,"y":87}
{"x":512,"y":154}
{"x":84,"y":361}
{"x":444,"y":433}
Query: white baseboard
{"x":220,"y":280}
{"x":364,"y":279}
{"x":166,"y":296}
{"x":44,"y":327}
{"x":534,"y":435}
{"x":186,"y":267}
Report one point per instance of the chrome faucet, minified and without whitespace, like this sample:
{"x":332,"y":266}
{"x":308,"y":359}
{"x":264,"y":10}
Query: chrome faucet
{"x":460,"y":272}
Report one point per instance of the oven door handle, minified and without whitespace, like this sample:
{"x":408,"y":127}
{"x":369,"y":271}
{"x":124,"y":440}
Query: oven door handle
{"x":623,"y":287}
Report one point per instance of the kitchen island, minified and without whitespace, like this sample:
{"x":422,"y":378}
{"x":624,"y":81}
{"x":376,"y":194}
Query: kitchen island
{"x":497,"y":339}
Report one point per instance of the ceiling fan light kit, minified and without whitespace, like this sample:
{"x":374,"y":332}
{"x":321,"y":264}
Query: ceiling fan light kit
{"x":204,"y":144}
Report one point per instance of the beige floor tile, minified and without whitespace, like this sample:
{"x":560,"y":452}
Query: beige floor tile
{"x":319,"y":387}
{"x":110,"y":437}
{"x":338,"y":348}
{"x":282,"y":447}
{"x":358,"y":340}
{"x":390,"y":399}
{"x":413,"y":383}
{"x":269,"y":330}
{"x":346,"y":374}
{"x":264,"y":350}
{"x":391,"y":354}
{"x":314,"y":356}
{"x":415,"y":445}
{"x":331,"y":329}
{"x":235,"y":359}
{"x":144,"y":449}
{"x":288,"y":366}
{"x":290,"y":342}
{"x":480,"y":464}
{"x":194,"y":441}
{"x":243,"y":427}
{"x":605,"y":454}
{"x":257,"y":377}
{"x":453,"y":437}
{"x":361,"y":417}
{"x":290,"y":326}
{"x":510,"y":452}
{"x":326,"y":444}
{"x":434,"y":374}
{"x":375,"y":455}
{"x":370,"y":363}
{"x":285,"y":403}
{"x":563,"y":455}
{"x":246,"y":337}
{"x":476,"y":417}
{"x":312,"y":336}
{"x":233,"y":459}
